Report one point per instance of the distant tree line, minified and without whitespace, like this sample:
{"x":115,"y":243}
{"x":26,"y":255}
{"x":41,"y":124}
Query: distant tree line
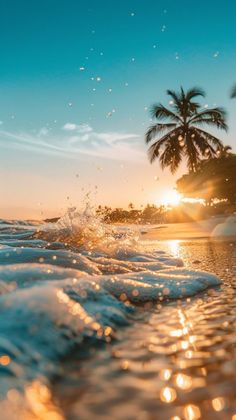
{"x":152,"y":214}
{"x":149,"y":214}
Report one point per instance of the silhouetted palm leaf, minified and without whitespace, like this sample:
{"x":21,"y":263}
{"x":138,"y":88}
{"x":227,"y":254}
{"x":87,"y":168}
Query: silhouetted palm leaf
{"x":156,"y":129}
{"x":154,"y":150}
{"x":224,"y":151}
{"x":214,"y":117}
{"x":192,"y":93}
{"x":161,"y":112}
{"x":172,"y":154}
{"x":233,"y":92}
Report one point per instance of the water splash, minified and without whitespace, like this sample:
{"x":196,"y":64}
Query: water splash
{"x":70,"y":286}
{"x":86,"y":230}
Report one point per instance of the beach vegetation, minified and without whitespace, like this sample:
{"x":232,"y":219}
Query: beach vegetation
{"x":179,"y":133}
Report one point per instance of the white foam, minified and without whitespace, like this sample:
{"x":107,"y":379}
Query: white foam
{"x":166,"y":284}
{"x":61,"y":258}
{"x":55,"y":301}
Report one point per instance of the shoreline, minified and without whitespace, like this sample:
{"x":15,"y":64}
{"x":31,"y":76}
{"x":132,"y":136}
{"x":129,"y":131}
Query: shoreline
{"x":181,"y":231}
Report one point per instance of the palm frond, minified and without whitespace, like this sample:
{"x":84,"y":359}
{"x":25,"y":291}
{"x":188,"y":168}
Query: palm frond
{"x":154,"y":150}
{"x":212,"y":112}
{"x":159,"y":111}
{"x":233,"y":92}
{"x":177,"y":103}
{"x":210,"y":138}
{"x":158,"y":129}
{"x":188,"y":106}
{"x":192,"y":153}
{"x":192,"y":108}
{"x":172,"y":155}
{"x":208,"y":121}
{"x":224,"y":151}
{"x":192,"y":93}
{"x":227,"y":148}
{"x":202,"y":143}
{"x":214,"y":117}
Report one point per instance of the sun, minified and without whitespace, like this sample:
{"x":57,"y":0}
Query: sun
{"x":171,"y":198}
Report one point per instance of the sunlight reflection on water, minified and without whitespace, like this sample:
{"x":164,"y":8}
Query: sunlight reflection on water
{"x":176,"y":357}
{"x":174,"y":246}
{"x":181,"y":358}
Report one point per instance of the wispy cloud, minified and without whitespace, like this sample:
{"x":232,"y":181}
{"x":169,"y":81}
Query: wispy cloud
{"x":43,"y":132}
{"x":81,"y":129}
{"x":75,"y":140}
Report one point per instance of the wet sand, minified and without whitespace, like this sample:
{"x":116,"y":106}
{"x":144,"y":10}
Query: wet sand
{"x":191,"y":230}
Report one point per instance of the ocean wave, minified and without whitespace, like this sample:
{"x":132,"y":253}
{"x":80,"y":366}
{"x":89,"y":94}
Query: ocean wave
{"x":77,"y":294}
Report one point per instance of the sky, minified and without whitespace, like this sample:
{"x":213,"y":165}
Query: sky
{"x":77,"y":79}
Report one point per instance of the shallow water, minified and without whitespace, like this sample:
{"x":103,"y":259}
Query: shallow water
{"x":97,"y":323}
{"x":178,"y":361}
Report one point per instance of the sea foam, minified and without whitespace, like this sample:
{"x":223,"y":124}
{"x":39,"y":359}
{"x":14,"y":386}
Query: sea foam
{"x":72,"y":285}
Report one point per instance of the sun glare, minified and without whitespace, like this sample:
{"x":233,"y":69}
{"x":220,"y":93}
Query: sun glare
{"x":171,"y":198}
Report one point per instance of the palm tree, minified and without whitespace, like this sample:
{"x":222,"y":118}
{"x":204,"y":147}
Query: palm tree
{"x":224,"y":151}
{"x":233,"y":92}
{"x":178,"y":135}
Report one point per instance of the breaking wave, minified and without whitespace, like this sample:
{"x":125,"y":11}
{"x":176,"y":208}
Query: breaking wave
{"x":69,"y":286}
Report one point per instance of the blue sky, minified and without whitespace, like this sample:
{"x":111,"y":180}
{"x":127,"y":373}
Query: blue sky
{"x":77,"y":79}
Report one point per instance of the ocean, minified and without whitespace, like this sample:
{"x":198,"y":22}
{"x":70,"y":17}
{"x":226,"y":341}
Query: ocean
{"x":83,"y":294}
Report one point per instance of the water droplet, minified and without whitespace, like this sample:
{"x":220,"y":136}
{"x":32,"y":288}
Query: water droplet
{"x":218,"y":404}
{"x":192,"y":412}
{"x":183,"y":381}
{"x":168,"y":394}
{"x":124,"y":365}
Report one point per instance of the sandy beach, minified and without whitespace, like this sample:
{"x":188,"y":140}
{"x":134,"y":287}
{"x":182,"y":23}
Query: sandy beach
{"x":190,"y":230}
